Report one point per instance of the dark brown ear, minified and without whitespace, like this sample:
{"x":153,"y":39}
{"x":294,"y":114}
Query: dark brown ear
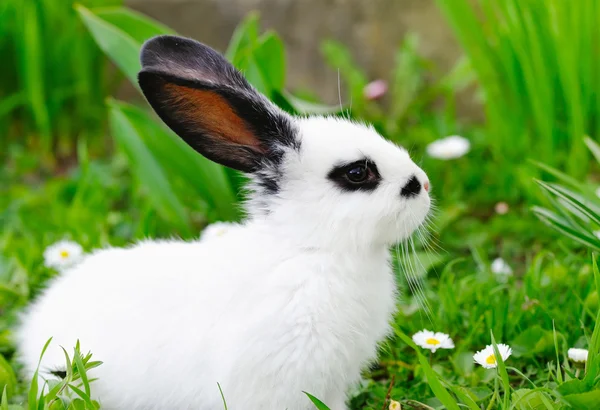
{"x":210,"y":105}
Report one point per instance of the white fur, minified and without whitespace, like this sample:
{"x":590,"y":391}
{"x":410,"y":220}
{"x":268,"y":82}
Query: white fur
{"x":294,"y":300}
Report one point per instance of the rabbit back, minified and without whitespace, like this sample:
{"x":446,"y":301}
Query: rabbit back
{"x":170,"y":320}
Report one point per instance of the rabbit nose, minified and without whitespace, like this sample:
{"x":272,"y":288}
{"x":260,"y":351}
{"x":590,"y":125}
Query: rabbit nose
{"x":426,"y":186}
{"x":412,"y":187}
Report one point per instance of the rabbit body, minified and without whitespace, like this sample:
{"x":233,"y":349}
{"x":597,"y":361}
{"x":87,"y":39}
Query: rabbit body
{"x":295,"y":300}
{"x":170,"y":320}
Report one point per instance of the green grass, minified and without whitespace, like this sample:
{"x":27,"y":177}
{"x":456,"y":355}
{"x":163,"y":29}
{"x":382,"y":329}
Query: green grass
{"x":538,"y":70}
{"x":94,"y":205}
{"x":53,"y":78}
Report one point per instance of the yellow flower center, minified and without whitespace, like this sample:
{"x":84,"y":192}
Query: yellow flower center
{"x":432,"y":341}
{"x":64,"y":254}
{"x":491,"y":359}
{"x":394,"y":405}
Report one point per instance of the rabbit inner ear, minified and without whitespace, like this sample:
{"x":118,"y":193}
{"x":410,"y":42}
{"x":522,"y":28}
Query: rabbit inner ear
{"x":228,"y":126}
{"x":209,"y":113}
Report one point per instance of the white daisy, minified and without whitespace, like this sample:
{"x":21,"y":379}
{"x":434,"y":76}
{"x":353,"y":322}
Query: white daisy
{"x":451,"y":147}
{"x":487,"y":358}
{"x":500,"y":267}
{"x":578,"y":355}
{"x":62,"y":255}
{"x":394,"y":405}
{"x":433,"y":341}
{"x":217,"y":229}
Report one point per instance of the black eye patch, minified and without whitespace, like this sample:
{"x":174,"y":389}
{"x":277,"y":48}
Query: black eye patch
{"x":361,"y":175}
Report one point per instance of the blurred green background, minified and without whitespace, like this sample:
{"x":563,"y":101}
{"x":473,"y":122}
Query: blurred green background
{"x":85,"y":159}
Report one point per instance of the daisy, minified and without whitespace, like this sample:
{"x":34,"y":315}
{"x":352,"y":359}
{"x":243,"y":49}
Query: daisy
{"x":395,"y":405}
{"x":451,"y":147}
{"x":217,"y":229}
{"x":500,"y":267}
{"x":487,"y":358}
{"x":578,"y":355}
{"x":62,"y":255}
{"x":433,"y":341}
{"x":375,"y":90}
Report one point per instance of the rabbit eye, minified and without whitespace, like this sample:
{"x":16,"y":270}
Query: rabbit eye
{"x":359,"y":175}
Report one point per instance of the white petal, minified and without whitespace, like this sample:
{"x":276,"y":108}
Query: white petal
{"x":481,"y":356}
{"x":578,"y":355}
{"x":500,"y":267}
{"x":451,"y":147}
{"x":63,"y":254}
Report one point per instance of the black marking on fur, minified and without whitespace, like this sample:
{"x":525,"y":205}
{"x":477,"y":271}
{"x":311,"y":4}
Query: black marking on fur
{"x":59,"y":373}
{"x":412,"y":188}
{"x":339,"y":176}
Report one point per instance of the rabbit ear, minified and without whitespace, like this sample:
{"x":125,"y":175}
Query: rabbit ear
{"x":210,"y":105}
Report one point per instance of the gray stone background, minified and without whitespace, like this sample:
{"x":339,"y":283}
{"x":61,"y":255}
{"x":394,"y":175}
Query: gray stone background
{"x":371,"y":28}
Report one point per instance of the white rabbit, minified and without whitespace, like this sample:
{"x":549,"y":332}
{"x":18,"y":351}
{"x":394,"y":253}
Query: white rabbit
{"x":295,"y":299}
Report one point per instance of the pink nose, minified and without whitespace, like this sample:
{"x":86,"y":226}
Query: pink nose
{"x":426,"y":186}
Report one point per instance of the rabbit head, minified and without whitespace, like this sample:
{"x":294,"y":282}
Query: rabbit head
{"x":327,"y":181}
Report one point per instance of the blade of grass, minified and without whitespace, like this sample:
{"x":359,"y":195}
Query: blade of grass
{"x":594,"y":350}
{"x":555,"y":222}
{"x":318,"y":403}
{"x":502,"y":372}
{"x":440,"y":392}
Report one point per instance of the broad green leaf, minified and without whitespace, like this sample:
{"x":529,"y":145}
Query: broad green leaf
{"x":243,"y":40}
{"x":588,"y":400}
{"x":270,"y":57}
{"x":122,"y":49}
{"x":8,"y":380}
{"x":465,"y":396}
{"x":148,"y":171}
{"x":532,"y":341}
{"x":338,"y":57}
{"x":136,"y":25}
{"x":527,"y":399}
{"x":78,"y":404}
{"x":318,"y":403}
{"x":574,"y":386}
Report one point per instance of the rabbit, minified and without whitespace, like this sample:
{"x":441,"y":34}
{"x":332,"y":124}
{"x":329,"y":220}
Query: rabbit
{"x":295,"y":299}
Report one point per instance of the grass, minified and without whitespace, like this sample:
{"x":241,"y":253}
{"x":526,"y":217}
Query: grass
{"x":551,"y":289}
{"x":536,"y":65}
{"x":144,"y":189}
{"x":53,"y":78}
